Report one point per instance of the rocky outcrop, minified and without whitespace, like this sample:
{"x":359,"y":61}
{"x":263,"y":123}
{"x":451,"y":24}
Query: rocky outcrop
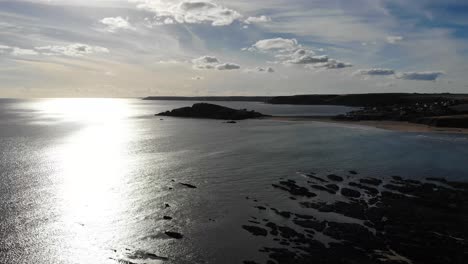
{"x":212,"y":111}
{"x":384,"y":220}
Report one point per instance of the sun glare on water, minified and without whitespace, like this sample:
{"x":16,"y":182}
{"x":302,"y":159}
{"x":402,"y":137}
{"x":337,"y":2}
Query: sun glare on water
{"x":87,"y":110}
{"x":92,"y":166}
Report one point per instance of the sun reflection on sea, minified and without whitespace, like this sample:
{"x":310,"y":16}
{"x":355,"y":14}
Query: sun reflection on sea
{"x":93,"y":164}
{"x":85,"y":110}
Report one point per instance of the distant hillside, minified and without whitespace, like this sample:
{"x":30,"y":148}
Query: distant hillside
{"x":210,"y":98}
{"x":381,"y":99}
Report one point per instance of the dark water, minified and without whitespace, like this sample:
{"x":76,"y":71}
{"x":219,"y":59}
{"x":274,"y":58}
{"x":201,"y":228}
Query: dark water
{"x":87,"y":180}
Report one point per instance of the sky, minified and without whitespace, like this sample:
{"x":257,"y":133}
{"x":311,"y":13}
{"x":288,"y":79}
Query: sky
{"x":133,"y":48}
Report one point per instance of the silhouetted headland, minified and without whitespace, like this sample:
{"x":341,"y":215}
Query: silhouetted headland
{"x":367,"y":100}
{"x":436,"y":110}
{"x":210,"y":98}
{"x":212,"y":111}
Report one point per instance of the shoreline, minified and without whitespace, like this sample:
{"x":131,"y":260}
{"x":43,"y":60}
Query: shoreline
{"x":401,"y":126}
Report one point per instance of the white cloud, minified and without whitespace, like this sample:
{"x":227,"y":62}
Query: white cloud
{"x":332,"y":64}
{"x":307,"y":59}
{"x":260,"y":19}
{"x":376,"y":71}
{"x":275,"y":44}
{"x":115,"y":23}
{"x":73,"y":50}
{"x":205,"y":62}
{"x":394,"y":39}
{"x":227,"y":66}
{"x":420,"y":76}
{"x":261,"y":70}
{"x":211,"y":62}
{"x":23,"y":52}
{"x":192,"y":12}
{"x":169,"y":21}
{"x":3,"y":47}
{"x":289,"y":51}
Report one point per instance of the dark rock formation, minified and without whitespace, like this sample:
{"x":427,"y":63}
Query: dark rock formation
{"x":188,"y":185}
{"x":212,"y":111}
{"x":403,"y":221}
{"x":350,"y":193}
{"x":255,"y":230}
{"x":174,"y":235}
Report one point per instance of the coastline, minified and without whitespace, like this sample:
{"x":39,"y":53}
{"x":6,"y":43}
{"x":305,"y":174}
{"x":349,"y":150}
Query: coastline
{"x":401,"y":126}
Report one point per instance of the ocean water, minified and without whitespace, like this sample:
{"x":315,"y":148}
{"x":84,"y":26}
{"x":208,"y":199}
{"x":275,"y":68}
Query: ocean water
{"x":88,"y":180}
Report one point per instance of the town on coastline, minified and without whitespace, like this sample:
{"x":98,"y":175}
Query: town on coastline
{"x":438,"y":110}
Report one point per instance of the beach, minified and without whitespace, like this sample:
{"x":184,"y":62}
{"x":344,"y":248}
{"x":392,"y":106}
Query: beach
{"x":401,"y":126}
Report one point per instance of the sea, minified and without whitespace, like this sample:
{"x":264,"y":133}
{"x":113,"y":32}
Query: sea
{"x":91,"y":180}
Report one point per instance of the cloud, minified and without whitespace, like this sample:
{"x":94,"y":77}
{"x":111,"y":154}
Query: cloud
{"x":205,"y":62}
{"x":211,"y":62}
{"x":191,"y":12}
{"x":332,"y":64}
{"x":394,"y":39}
{"x":73,"y":50}
{"x":420,"y":76}
{"x":376,"y":71}
{"x":289,"y":51}
{"x":260,"y":19}
{"x":23,"y":52}
{"x":227,"y":66}
{"x":307,"y":59}
{"x":115,"y":23}
{"x":275,"y":44}
{"x":261,"y":70}
{"x":169,"y":21}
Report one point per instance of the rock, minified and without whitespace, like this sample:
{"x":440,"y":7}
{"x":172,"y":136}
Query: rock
{"x":188,"y":185}
{"x":281,"y":213}
{"x":369,"y":190}
{"x":353,"y":172}
{"x":350,"y":193}
{"x":409,"y":222}
{"x":255,"y":230}
{"x":212,"y":111}
{"x":442,"y":180}
{"x":167,"y":217}
{"x":332,"y":187}
{"x":371,"y":181}
{"x":143,"y":255}
{"x":174,"y":235}
{"x":321,"y":188}
{"x":294,"y":189}
{"x":334,"y":177}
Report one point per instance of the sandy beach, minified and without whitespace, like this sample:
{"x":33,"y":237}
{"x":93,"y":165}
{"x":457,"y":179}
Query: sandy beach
{"x":388,"y":125}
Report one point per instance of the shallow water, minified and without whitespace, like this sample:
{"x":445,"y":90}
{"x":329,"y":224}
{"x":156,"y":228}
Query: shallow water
{"x":87,"y":180}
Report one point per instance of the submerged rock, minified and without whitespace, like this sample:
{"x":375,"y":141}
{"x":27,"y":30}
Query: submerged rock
{"x":174,"y":235}
{"x":188,"y":185}
{"x":255,"y":230}
{"x":402,"y":221}
{"x":212,"y":111}
{"x":350,"y":193}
